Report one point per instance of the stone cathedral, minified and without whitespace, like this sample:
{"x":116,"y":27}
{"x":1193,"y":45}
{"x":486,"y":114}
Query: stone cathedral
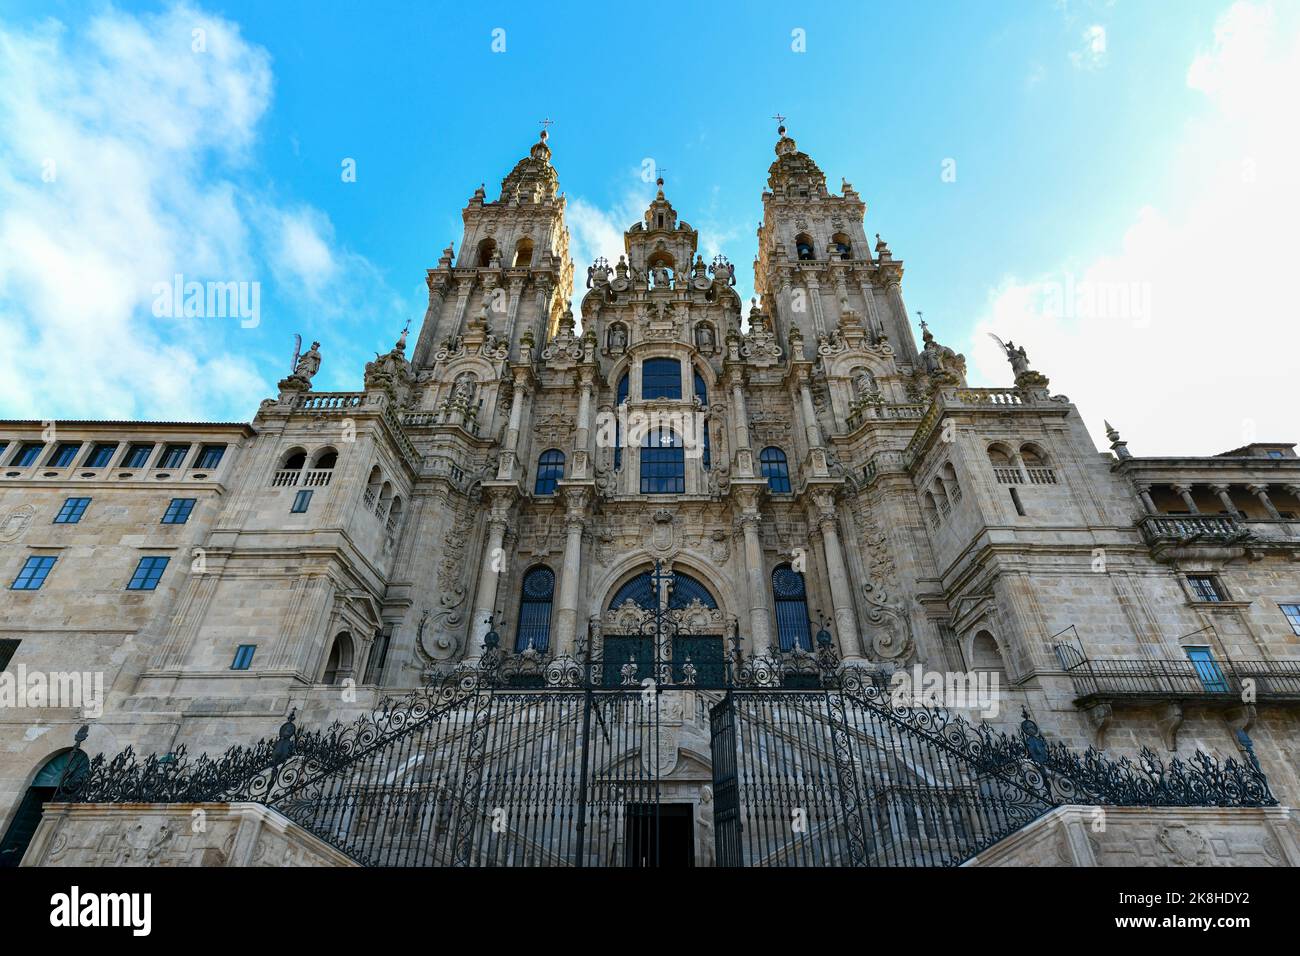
{"x":810,"y":480}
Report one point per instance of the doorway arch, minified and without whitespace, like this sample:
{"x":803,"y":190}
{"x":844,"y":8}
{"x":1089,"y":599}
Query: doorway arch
{"x":41,"y":791}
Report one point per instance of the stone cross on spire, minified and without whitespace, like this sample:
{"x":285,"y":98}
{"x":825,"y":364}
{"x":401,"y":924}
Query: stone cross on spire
{"x":545,"y":122}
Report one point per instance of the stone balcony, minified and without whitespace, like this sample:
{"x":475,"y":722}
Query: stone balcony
{"x":1189,"y":529}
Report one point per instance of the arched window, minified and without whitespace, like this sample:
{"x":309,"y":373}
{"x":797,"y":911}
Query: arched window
{"x":534,"y":627}
{"x":663,"y":463}
{"x":984,"y":653}
{"x":618,"y":425}
{"x":25,"y":819}
{"x":791,"y":608}
{"x":661,"y":378}
{"x":773,"y":466}
{"x":486,"y":249}
{"x":550,"y":469}
{"x":325,"y":458}
{"x":682,"y":591}
{"x":339,"y":664}
{"x":394,"y":515}
{"x":841,"y":245}
{"x":803,"y":246}
{"x":524,"y":254}
{"x":295,"y":460}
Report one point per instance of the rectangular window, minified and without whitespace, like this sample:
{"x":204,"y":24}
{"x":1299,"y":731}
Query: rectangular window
{"x":661,"y":378}
{"x":300,"y":502}
{"x":64,"y":454}
{"x":178,"y":511}
{"x":34,"y":572}
{"x":243,"y":657}
{"x":378,"y":657}
{"x":28,"y":454}
{"x":1206,"y":588}
{"x":1275,"y":453}
{"x":209,"y":456}
{"x":1207,"y":670}
{"x":147,"y":574}
{"x":8,"y":648}
{"x":173,"y":456}
{"x":1292,"y":612}
{"x":71,"y":511}
{"x":137,"y":456}
{"x":101,"y":455}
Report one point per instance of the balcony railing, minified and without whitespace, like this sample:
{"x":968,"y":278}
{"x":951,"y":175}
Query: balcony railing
{"x":1208,"y":528}
{"x":1227,"y":681}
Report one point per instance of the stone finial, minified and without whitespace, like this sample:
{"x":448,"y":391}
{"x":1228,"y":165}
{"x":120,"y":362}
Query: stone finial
{"x":1118,"y":446}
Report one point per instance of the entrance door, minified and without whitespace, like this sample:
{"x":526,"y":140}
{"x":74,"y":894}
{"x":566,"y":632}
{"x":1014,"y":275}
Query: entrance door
{"x":23,"y":826}
{"x":662,"y":835}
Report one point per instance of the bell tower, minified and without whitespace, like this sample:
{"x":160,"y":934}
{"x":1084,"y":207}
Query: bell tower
{"x":513,"y":274}
{"x":815,"y":263}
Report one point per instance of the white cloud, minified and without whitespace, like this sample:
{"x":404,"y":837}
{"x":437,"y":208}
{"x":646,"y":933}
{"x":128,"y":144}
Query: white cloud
{"x":1091,"y":54}
{"x":125,"y":160}
{"x":1186,"y":336}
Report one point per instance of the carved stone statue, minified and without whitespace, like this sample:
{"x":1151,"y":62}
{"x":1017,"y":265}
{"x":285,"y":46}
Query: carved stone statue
{"x":704,"y":340}
{"x":661,"y":277}
{"x":308,"y":365}
{"x":617,"y":338}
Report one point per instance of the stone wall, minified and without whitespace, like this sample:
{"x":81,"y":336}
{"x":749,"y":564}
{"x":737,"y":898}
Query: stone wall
{"x":1152,"y":836}
{"x":182,"y":834}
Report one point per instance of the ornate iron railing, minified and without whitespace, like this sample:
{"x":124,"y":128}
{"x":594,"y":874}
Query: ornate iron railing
{"x":1228,"y":681}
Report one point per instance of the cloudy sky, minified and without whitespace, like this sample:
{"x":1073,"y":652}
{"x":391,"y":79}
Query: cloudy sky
{"x":1110,"y":184}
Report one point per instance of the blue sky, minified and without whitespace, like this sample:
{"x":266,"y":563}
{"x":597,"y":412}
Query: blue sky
{"x":1115,"y":145}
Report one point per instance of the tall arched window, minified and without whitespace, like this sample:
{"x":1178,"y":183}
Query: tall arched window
{"x":772,"y":465}
{"x":486,"y":250}
{"x":524,"y":254}
{"x":661,"y":378}
{"x":683,"y":590}
{"x":534,"y":627}
{"x":339,"y":664}
{"x":791,"y":608}
{"x":663,"y":463}
{"x":550,"y":469}
{"x":841,"y":245}
{"x":22,"y":826}
{"x":803,"y":246}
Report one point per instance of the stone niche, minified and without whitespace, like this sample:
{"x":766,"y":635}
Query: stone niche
{"x":178,"y":834}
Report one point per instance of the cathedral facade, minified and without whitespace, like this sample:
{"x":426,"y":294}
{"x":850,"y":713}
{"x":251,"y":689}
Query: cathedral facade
{"x":808,"y":477}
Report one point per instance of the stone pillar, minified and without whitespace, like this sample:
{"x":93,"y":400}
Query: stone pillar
{"x":493,"y":566}
{"x":424,"y":345}
{"x":1261,"y":492}
{"x":812,"y":427}
{"x":813,"y":288}
{"x":760,"y":626}
{"x":582,"y":431}
{"x":1144,"y":493}
{"x":846,"y":621}
{"x":566,"y":604}
{"x":744,"y":452}
{"x":512,"y":308}
{"x":1185,"y":492}
{"x":1226,"y":500}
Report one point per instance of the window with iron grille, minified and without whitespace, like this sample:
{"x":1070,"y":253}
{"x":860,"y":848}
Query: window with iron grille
{"x":147,"y":573}
{"x":178,"y":511}
{"x":34,"y":572}
{"x":71,"y":511}
{"x":534,"y":628}
{"x":791,"y":596}
{"x":1206,"y":587}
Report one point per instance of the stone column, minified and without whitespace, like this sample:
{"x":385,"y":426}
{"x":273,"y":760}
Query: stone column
{"x":1185,"y":492}
{"x":744,"y":452}
{"x":1261,"y":492}
{"x":813,"y":289}
{"x":566,"y":604}
{"x":512,"y":307}
{"x":1226,"y":500}
{"x":1144,"y":493}
{"x":846,"y":621}
{"x":582,"y":431}
{"x":760,"y":627}
{"x":812,"y":427}
{"x":429,"y":330}
{"x":492,"y":567}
